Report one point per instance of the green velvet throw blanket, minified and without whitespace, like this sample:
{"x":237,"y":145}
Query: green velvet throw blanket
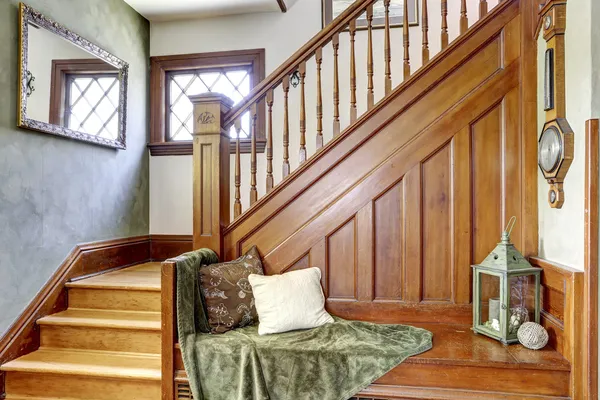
{"x":332,"y":362}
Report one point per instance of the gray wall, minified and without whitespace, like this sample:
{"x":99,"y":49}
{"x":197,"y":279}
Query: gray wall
{"x":56,"y":193}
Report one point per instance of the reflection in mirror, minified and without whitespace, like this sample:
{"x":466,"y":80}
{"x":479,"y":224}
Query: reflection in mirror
{"x":69,"y":86}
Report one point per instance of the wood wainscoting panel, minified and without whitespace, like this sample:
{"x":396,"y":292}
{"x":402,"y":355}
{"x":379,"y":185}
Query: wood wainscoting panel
{"x":437,"y":219}
{"x":341,"y":262}
{"x":562,"y":315}
{"x":163,"y":247}
{"x":388,"y":271}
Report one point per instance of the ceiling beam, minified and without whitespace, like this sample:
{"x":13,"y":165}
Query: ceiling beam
{"x":282,"y":5}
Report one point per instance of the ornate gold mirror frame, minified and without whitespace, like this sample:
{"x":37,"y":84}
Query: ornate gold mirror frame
{"x":30,"y":17}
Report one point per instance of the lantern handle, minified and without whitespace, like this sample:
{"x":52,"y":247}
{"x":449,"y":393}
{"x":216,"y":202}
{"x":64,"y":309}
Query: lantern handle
{"x":510,"y":225}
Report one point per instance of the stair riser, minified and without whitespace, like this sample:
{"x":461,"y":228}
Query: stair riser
{"x":81,"y":387}
{"x":111,"y":299}
{"x":109,"y":339}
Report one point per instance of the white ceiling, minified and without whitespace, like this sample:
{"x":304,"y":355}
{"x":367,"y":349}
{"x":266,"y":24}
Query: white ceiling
{"x":167,"y":10}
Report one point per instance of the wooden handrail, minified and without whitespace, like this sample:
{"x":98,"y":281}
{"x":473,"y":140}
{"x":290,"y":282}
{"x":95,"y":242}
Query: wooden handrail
{"x":305,"y":52}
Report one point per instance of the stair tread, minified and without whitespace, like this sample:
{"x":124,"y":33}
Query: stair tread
{"x":88,"y":363}
{"x":140,"y":277}
{"x":81,"y":317}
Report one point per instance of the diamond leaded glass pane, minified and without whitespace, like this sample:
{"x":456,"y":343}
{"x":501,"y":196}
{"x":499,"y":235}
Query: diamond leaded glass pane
{"x":232,"y":82}
{"x":92,"y":104}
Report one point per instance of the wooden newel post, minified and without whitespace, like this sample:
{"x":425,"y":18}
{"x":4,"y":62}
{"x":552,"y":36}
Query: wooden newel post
{"x":211,"y":170}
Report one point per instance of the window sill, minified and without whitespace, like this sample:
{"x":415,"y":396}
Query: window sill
{"x":184,"y":148}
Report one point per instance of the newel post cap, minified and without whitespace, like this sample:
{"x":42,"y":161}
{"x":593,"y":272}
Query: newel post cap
{"x":209,"y":112}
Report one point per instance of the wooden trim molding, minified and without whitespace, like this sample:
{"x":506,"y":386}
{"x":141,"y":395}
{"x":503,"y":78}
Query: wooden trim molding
{"x":561,"y":314}
{"x":161,"y":66}
{"x":590,"y":376}
{"x":163,"y":247}
{"x":185,"y":148}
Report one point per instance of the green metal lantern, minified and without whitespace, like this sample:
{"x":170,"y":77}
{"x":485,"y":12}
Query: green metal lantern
{"x":506,"y":291}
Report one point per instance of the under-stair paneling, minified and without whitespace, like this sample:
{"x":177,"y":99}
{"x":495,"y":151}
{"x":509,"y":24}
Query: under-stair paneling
{"x":389,"y":245}
{"x":341,"y":262}
{"x":437,"y":224}
{"x":411,"y":111}
{"x":396,"y":210}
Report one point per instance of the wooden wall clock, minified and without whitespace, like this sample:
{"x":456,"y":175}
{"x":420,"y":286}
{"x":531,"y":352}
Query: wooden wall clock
{"x":556,"y":143}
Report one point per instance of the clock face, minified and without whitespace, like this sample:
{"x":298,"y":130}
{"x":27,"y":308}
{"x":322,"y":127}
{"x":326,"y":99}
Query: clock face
{"x":550,"y":150}
{"x":547,"y":22}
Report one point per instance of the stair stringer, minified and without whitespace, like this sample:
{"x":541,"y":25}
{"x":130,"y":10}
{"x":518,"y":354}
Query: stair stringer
{"x":305,"y":219}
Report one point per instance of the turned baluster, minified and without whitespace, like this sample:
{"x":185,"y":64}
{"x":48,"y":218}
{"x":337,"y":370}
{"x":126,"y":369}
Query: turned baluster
{"x":406,"y":40}
{"x":286,"y":126}
{"x":464,"y":19}
{"x":444,"y":24}
{"x":483,"y":8}
{"x":370,"y":84}
{"x":270,"y":181}
{"x":336,"y":85}
{"x":353,"y":111}
{"x":253,"y":191}
{"x":388,"y":49}
{"x":237,"y":204}
{"x":425,"y":29}
{"x":319,"y":59}
{"x":302,"y":154}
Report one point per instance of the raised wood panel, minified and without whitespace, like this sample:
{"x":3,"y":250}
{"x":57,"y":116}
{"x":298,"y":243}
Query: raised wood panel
{"x":302,"y":263}
{"x":389,"y":238}
{"x":437,"y":224}
{"x":486,"y":154}
{"x":341,"y":262}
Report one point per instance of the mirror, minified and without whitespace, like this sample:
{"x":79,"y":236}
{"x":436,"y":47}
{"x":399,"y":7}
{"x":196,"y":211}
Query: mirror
{"x":69,"y":86}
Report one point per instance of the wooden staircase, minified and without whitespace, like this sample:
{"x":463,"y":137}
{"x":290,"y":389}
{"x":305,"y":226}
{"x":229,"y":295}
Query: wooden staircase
{"x":106,"y":345}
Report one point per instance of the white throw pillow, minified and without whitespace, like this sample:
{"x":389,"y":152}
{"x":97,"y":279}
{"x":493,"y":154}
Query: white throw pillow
{"x":290,"y":301}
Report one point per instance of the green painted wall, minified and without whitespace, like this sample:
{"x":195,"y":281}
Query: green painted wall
{"x":54,"y":192}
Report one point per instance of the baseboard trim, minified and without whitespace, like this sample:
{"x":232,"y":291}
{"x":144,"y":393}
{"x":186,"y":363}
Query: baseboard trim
{"x":163,"y":247}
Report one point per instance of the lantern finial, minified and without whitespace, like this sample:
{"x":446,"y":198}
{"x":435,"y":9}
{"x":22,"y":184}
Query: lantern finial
{"x":508,"y":230}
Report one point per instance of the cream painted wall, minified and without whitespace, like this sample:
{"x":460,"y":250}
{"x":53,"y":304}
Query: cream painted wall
{"x":281,"y":35}
{"x":561,"y":231}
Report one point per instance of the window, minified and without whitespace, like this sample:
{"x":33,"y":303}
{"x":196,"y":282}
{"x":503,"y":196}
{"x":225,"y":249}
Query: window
{"x":174,"y":78}
{"x":84,"y":97}
{"x":92,"y":104}
{"x":233,"y":82}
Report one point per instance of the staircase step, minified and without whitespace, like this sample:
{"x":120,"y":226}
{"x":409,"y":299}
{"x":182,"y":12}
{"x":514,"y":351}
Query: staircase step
{"x":88,"y":363}
{"x":26,"y":385}
{"x":106,"y":330}
{"x":144,"y":277}
{"x":122,"y":319}
{"x":114,"y":299}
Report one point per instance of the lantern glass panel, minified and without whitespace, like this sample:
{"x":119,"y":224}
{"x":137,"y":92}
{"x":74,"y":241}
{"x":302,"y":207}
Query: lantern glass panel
{"x":522,"y":302}
{"x":489,"y":303}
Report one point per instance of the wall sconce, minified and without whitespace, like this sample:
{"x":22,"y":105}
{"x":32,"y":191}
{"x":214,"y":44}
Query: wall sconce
{"x":30,"y":80}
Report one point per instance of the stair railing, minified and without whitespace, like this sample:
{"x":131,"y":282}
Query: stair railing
{"x":277,"y":85}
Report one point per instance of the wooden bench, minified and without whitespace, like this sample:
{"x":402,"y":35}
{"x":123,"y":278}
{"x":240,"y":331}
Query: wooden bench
{"x":461,"y":364}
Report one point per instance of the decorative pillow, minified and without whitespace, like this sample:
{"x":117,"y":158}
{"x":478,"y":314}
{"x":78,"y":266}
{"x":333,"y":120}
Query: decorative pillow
{"x":227,"y":293}
{"x":290,"y":301}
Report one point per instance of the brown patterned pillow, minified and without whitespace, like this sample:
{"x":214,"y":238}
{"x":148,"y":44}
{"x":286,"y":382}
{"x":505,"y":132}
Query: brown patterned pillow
{"x":227,"y":293}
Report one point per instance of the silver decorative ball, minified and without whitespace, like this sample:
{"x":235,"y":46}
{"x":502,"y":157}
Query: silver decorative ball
{"x":533,"y":336}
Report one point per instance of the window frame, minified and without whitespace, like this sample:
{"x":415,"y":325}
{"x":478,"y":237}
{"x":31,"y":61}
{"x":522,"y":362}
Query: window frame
{"x":163,"y":66}
{"x":61,"y":69}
